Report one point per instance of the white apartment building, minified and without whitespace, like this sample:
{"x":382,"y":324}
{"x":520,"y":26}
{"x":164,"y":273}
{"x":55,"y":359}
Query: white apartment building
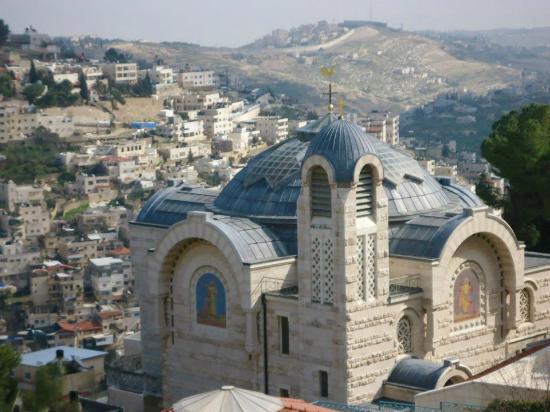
{"x":92,"y":74}
{"x":240,"y":137}
{"x":131,"y":148}
{"x":384,"y":126}
{"x":121,"y":72}
{"x":196,"y":79}
{"x":15,"y":262}
{"x":429,"y":165}
{"x":272,"y":129}
{"x":16,"y":123}
{"x":198,"y":101}
{"x":161,"y":75}
{"x":217,"y":121}
{"x":36,"y":219}
{"x":107,"y":275}
{"x":12,"y":194}
{"x":70,"y":77}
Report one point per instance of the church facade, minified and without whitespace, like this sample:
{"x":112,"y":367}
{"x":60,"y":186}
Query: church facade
{"x":326,"y":261}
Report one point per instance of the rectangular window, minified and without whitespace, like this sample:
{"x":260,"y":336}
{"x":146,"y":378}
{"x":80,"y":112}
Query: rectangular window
{"x":323,"y":383}
{"x":283,"y":393}
{"x":284,"y":333}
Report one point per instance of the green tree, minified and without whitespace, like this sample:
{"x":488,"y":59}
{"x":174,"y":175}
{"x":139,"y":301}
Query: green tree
{"x":59,"y":94}
{"x":190,"y":157}
{"x":488,"y":193}
{"x":7,"y":88}
{"x":48,"y":390}
{"x":144,"y":87}
{"x":114,"y":56}
{"x":9,"y":359}
{"x":519,"y":148}
{"x":445,"y":152}
{"x":33,"y":91}
{"x":4,"y":32}
{"x":84,"y":92}
{"x":33,"y":74}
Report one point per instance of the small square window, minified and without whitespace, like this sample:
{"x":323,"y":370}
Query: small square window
{"x":284,"y":393}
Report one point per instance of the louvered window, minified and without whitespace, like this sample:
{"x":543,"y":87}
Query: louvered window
{"x":320,"y":193}
{"x":365,"y":191}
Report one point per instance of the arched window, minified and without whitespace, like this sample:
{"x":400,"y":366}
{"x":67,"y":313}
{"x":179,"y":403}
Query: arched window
{"x":364,"y":196}
{"x":525,"y":305}
{"x":404,"y":335}
{"x":320,"y":193}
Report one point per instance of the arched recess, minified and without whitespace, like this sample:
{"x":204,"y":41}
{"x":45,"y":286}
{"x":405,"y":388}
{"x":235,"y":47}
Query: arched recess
{"x":454,"y":374}
{"x":320,"y":193}
{"x":507,"y":251}
{"x":416,"y":326}
{"x":178,"y":240}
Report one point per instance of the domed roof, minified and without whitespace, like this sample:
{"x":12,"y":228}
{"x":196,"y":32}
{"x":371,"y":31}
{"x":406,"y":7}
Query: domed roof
{"x":269,"y":186}
{"x":342,"y":143}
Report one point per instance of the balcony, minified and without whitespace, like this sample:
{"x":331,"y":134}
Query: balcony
{"x":276,"y":287}
{"x":405,"y":286}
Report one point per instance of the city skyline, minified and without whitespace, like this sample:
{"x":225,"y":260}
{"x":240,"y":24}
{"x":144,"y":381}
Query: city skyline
{"x":186,"y":22}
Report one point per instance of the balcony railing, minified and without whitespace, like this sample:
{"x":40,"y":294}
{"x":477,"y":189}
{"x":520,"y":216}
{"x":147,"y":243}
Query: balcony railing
{"x":274,"y":286}
{"x":405,"y":285}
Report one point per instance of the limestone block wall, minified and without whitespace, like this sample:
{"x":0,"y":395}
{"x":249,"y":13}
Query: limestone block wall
{"x":199,"y":357}
{"x":142,"y":239}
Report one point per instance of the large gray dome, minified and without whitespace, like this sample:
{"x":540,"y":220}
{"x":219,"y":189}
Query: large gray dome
{"x":269,"y":186}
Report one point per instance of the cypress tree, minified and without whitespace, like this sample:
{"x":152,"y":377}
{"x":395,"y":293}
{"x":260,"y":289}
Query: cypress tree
{"x":33,"y":75}
{"x":84,"y":92}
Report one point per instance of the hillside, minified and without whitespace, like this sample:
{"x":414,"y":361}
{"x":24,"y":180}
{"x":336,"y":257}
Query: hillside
{"x":375,"y":67}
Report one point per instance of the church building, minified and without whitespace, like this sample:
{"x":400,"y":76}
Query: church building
{"x":329,"y":264}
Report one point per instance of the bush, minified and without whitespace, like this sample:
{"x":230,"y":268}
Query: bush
{"x":519,"y":406}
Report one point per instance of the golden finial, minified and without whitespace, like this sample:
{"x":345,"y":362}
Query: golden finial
{"x":327,"y":72}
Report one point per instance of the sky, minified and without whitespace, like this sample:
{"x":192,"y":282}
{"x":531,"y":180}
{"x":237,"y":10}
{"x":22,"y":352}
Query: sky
{"x":237,"y":22}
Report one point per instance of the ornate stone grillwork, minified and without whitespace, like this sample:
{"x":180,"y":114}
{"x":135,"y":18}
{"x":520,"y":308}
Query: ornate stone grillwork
{"x":361,"y":267}
{"x":404,"y":338}
{"x":328,"y":258}
{"x":370,"y":266}
{"x":525,"y":305}
{"x":316,"y":258}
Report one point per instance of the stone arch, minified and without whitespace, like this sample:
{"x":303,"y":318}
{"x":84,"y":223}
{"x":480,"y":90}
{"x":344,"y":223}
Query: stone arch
{"x":502,"y":240}
{"x":456,"y":373}
{"x":526,"y":300}
{"x":196,"y":227}
{"x":416,"y":330}
{"x":376,"y":165}
{"x":317,"y":160}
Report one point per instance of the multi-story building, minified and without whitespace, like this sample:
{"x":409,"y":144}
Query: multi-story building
{"x":384,"y":126}
{"x":121,"y":73}
{"x":77,"y":252}
{"x":196,"y":79}
{"x":272,"y":129}
{"x":198,"y":101}
{"x":107,"y":278}
{"x":102,"y":218}
{"x":97,"y":188}
{"x":16,"y":262}
{"x":16,"y":123}
{"x":36,"y":219}
{"x":217,"y":121}
{"x":356,"y":262}
{"x":12,"y":194}
{"x":92,"y":74}
{"x":161,"y":74}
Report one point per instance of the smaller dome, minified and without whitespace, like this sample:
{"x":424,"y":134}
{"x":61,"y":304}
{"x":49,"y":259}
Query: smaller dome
{"x":342,"y":143}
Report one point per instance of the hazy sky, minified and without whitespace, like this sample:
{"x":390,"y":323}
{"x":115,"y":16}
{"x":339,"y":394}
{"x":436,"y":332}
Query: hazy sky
{"x":237,"y":22}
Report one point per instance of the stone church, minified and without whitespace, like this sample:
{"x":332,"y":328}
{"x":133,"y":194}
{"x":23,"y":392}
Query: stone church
{"x":326,"y":266}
